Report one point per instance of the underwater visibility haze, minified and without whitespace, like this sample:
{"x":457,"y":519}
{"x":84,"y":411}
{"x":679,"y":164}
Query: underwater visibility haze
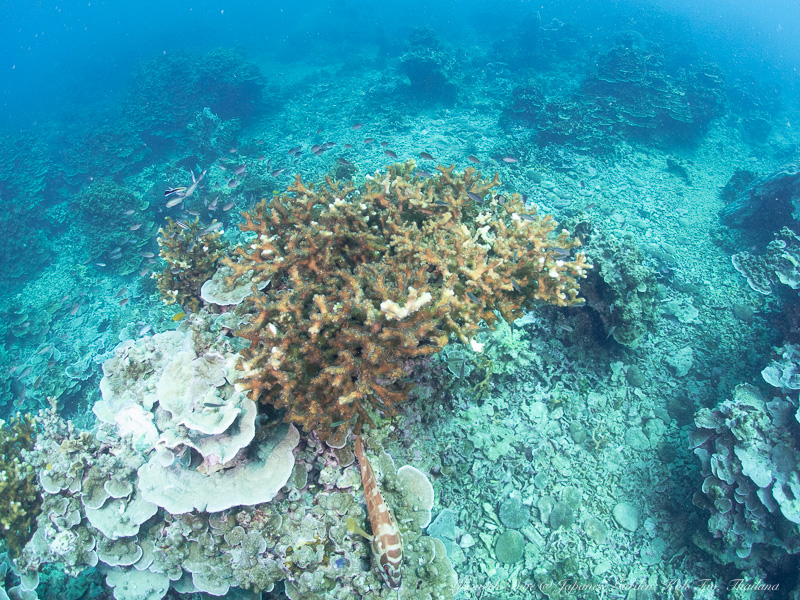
{"x":419,"y":300}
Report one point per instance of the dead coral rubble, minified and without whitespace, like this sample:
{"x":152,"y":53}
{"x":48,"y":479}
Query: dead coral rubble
{"x":363,"y":278}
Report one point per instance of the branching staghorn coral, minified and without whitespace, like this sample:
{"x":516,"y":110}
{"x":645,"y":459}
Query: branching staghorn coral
{"x":364,"y":278}
{"x":19,"y":501}
{"x":192,"y":253}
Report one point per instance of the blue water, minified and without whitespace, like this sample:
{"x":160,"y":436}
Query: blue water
{"x":625,"y":120}
{"x":84,"y":52}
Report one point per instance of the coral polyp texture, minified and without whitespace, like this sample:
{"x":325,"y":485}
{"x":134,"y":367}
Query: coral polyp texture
{"x":362,"y":278}
{"x":19,"y":501}
{"x":191,"y":252}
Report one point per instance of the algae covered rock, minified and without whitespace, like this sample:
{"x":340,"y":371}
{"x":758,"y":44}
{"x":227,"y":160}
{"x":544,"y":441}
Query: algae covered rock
{"x":626,"y":515}
{"x":562,"y":516}
{"x":513,"y":514}
{"x":509,"y":547}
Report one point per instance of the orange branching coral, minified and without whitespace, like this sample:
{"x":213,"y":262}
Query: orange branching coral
{"x":363,"y":278}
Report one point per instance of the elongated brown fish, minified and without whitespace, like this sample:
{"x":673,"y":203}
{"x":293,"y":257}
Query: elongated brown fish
{"x":387,"y":545}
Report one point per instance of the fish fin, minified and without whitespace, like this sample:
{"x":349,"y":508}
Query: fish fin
{"x":353,"y":527}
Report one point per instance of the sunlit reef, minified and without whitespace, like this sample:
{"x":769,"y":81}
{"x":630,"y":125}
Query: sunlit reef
{"x":548,"y":274}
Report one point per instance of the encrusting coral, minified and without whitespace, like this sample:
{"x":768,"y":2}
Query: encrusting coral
{"x":365,"y":278}
{"x":19,"y":501}
{"x":192,"y":253}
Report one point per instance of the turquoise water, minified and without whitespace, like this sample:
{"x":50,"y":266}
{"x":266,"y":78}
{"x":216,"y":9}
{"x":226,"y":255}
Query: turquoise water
{"x":642,"y":442}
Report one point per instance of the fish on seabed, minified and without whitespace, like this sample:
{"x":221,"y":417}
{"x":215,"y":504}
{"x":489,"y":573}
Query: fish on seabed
{"x":387,"y":544}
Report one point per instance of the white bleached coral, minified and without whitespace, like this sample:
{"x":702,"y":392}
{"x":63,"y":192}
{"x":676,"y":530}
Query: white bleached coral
{"x":180,"y":490}
{"x":177,"y":404}
{"x":217,"y":291}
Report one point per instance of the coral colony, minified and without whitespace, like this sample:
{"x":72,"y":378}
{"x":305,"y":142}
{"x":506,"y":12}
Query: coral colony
{"x":362,"y":279}
{"x":191,"y":481}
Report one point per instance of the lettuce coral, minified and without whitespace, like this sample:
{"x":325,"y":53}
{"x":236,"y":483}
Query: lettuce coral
{"x":366,"y":277}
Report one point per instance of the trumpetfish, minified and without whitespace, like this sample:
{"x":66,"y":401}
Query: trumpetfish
{"x":387,"y":544}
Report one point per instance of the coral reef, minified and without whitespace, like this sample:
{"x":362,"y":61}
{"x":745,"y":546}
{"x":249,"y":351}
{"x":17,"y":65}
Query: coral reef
{"x":114,"y":224}
{"x":167,"y":93}
{"x":651,"y":103}
{"x":111,"y":148}
{"x":431,"y":71}
{"x":19,"y":502}
{"x":749,"y":454}
{"x":198,"y":427}
{"x":630,"y":94}
{"x":173,"y":493}
{"x":365,"y":278}
{"x":554,"y":120}
{"x":191,"y":252}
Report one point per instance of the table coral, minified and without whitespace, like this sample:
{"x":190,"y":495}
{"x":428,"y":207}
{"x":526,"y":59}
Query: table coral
{"x":366,"y":277}
{"x":19,"y":502}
